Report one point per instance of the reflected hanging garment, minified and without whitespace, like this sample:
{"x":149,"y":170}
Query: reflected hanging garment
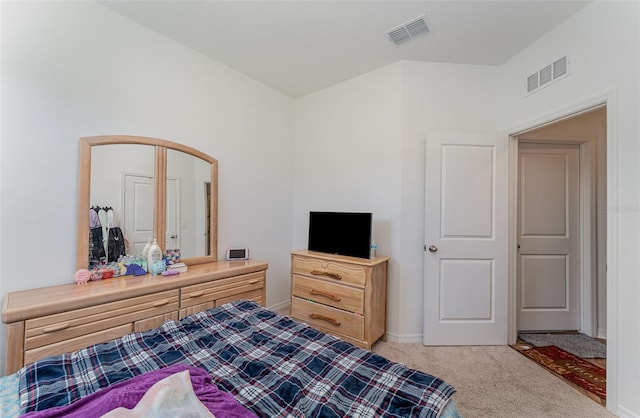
{"x":96,"y":246}
{"x":94,"y":221}
{"x":116,"y":243}
{"x":110,"y":220}
{"x":102,"y":215}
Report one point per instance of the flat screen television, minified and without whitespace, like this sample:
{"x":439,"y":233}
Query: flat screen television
{"x":343,"y":233}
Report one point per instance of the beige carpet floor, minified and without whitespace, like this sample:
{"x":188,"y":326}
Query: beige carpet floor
{"x":496,"y":381}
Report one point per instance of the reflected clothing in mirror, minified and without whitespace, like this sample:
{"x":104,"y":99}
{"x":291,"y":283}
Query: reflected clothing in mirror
{"x":115,"y":245}
{"x":106,"y":241}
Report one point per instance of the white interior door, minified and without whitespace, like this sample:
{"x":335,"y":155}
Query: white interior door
{"x":466,"y":227}
{"x":138,"y":213}
{"x":548,"y":296}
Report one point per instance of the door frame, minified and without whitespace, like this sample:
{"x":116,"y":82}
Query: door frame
{"x":610,"y":100}
{"x":177,"y":201}
{"x":587,"y":221}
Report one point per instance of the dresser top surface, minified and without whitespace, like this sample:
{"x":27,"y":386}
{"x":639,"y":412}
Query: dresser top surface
{"x":341,"y":258}
{"x":31,"y":303}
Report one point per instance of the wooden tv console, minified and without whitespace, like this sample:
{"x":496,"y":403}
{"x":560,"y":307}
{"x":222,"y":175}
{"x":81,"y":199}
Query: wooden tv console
{"x":52,"y":320}
{"x":343,"y":296}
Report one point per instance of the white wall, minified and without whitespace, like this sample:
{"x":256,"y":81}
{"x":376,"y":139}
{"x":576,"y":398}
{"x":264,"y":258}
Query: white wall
{"x":74,"y":69}
{"x":602,"y":42}
{"x":348,"y":158}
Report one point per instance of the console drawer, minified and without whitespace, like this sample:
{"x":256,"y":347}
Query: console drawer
{"x":328,"y":318}
{"x":321,"y":291}
{"x":336,"y":271}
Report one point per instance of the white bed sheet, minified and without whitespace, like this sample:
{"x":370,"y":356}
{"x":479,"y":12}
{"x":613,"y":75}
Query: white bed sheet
{"x":9,"y":398}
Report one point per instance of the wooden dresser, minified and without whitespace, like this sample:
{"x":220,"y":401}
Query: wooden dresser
{"x":58,"y":319}
{"x":343,"y":296}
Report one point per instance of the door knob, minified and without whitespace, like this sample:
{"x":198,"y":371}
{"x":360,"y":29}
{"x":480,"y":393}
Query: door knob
{"x":433,"y":249}
{"x":174,"y":236}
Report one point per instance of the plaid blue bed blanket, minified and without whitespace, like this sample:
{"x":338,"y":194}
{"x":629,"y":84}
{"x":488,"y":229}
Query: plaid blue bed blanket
{"x":273,"y":365}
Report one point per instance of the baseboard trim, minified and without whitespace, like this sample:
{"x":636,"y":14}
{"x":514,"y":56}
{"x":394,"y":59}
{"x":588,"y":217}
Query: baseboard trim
{"x":404,"y":338}
{"x":281,"y":307}
{"x":623,"y":412}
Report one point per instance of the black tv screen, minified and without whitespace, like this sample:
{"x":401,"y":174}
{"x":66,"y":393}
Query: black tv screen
{"x":343,"y":233}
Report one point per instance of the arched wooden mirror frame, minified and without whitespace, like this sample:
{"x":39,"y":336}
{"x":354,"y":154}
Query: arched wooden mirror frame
{"x":160,"y":186}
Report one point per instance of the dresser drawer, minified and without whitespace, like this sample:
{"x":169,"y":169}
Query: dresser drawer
{"x":339,"y":272}
{"x":77,"y":343}
{"x":328,"y":318}
{"x":67,"y":325}
{"x":328,"y":293}
{"x":254,"y":295}
{"x":233,"y":288}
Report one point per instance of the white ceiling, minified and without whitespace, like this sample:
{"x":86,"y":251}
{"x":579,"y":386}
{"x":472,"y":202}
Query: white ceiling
{"x":299,"y":47}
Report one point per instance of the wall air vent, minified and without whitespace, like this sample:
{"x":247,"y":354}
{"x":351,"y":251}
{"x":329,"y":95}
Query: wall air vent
{"x":547,"y":75}
{"x":560,"y":67}
{"x":408,"y":30}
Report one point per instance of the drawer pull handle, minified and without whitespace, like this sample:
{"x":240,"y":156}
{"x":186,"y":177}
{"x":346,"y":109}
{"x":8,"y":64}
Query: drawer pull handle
{"x":160,"y":303}
{"x":326,"y":295}
{"x":196,"y":294}
{"x":324,"y":318}
{"x":326,"y":273}
{"x":253,"y":281}
{"x":57,"y":327}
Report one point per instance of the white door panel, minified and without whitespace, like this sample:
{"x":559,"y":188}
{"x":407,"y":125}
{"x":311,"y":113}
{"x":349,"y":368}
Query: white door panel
{"x":548,"y":237}
{"x":464,"y":169}
{"x":466,"y":225}
{"x":138,"y":216}
{"x":138,"y":211}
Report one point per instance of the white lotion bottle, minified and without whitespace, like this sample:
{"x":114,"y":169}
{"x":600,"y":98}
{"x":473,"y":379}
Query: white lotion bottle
{"x":145,"y":250}
{"x":154,"y":254}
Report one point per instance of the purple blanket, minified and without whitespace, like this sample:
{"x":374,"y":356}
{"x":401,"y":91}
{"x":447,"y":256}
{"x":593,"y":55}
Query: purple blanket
{"x":129,"y":392}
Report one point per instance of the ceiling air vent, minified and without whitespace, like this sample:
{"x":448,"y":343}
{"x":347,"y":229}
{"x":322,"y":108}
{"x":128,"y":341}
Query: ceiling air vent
{"x":408,"y":30}
{"x":547,"y":75}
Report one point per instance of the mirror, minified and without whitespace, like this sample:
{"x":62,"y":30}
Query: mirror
{"x":188,"y":195}
{"x":122,"y":197}
{"x":146,"y":188}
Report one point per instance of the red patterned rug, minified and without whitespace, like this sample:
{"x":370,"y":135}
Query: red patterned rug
{"x":580,"y":372}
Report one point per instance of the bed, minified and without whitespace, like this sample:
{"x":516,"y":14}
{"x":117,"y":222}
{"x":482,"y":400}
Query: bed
{"x":271,"y":365}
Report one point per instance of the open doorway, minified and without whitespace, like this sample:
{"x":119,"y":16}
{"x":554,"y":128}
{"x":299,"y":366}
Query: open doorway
{"x":588,"y":131}
{"x":560,"y":200}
